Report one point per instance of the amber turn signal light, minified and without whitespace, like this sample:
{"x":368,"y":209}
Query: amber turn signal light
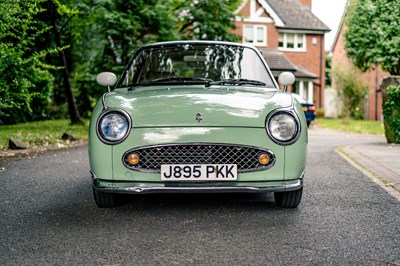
{"x":133,"y":159}
{"x":263,"y":159}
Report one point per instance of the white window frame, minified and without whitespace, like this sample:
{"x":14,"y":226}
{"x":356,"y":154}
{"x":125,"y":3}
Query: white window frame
{"x":254,"y":30}
{"x":306,"y":89}
{"x":296,"y":42}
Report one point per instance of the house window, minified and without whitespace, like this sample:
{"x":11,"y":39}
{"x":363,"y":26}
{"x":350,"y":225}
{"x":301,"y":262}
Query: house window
{"x":281,"y":42}
{"x":300,"y":41}
{"x":292,"y":41}
{"x":255,"y":34}
{"x":305,"y":89}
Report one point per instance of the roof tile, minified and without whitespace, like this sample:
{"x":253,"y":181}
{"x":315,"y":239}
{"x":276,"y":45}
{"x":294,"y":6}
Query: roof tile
{"x":278,"y":62}
{"x":296,"y":16}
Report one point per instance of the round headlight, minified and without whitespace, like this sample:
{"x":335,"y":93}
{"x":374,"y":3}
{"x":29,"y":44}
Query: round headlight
{"x":283,"y":128}
{"x":113,"y":126}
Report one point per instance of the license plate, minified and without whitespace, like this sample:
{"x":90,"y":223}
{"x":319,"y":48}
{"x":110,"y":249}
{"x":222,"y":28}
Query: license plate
{"x":199,"y":172}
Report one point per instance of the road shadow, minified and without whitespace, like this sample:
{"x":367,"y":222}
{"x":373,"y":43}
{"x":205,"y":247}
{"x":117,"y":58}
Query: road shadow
{"x":198,"y":200}
{"x":141,"y":208}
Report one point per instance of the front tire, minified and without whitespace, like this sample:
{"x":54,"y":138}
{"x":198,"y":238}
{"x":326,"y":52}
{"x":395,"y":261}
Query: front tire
{"x":103,"y":199}
{"x":288,"y":199}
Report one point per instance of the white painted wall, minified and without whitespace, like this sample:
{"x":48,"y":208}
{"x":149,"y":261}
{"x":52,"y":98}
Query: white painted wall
{"x":332,"y":103}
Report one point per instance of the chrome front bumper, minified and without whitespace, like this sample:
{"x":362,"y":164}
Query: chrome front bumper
{"x":216,"y":187}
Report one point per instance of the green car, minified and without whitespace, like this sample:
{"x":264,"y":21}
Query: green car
{"x":197,"y":117}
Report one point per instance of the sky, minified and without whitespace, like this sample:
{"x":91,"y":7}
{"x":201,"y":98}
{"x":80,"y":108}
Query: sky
{"x":330,"y":12}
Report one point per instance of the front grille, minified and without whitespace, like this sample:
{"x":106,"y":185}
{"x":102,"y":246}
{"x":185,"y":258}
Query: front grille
{"x":245,"y":157}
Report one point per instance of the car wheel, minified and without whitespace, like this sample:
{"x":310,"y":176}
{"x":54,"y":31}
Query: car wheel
{"x":308,"y":123}
{"x":288,"y":199}
{"x":103,"y":199}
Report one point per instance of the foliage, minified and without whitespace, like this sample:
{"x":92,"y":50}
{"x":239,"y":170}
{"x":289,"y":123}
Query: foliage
{"x":328,"y":71}
{"x":79,"y":28}
{"x":124,"y":25}
{"x":391,"y":110}
{"x":351,"y":125}
{"x":58,"y":16}
{"x":94,"y":36}
{"x":320,"y":112}
{"x":25,"y":79}
{"x":128,"y":24}
{"x":106,"y":32}
{"x":373,"y":35}
{"x":351,"y":89}
{"x":103,"y":35}
{"x":207,"y":19}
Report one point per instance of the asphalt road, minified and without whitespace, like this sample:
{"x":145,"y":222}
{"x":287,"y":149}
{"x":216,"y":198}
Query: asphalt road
{"x":48,"y":217}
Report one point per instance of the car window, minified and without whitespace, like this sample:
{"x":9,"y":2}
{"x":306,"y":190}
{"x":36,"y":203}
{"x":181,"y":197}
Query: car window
{"x":196,"y":62}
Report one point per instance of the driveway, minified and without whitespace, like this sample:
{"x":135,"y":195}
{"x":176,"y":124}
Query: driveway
{"x":48,"y":217}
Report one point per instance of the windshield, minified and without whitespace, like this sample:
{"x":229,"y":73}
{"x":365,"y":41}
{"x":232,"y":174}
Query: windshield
{"x":197,"y":63}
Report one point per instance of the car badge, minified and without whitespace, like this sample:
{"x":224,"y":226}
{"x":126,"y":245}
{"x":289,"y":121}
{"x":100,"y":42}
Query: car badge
{"x":199,"y":117}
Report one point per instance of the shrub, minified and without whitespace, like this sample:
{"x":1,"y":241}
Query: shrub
{"x":25,"y":81}
{"x":391,"y":110}
{"x":351,"y":89}
{"x":320,"y":112}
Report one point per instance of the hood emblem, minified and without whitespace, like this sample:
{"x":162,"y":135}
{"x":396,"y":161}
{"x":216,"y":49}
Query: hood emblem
{"x":199,"y":117}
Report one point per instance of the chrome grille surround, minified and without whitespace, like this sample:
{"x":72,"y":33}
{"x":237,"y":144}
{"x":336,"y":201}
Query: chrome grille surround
{"x":152,"y":157}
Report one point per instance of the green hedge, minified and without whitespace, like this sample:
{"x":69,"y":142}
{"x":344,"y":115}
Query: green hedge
{"x":391,"y":110}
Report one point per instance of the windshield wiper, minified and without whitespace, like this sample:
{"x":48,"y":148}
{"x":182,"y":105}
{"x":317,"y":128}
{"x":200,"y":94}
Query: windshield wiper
{"x":174,"y":79}
{"x":238,"y":82}
{"x":209,"y":82}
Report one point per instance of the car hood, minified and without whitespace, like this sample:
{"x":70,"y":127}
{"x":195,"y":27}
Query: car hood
{"x":212,"y":106}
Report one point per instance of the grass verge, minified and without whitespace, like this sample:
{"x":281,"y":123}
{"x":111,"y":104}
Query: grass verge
{"x":42,"y":133}
{"x":351,"y":125}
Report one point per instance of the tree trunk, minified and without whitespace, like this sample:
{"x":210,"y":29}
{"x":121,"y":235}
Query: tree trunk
{"x":72,"y":107}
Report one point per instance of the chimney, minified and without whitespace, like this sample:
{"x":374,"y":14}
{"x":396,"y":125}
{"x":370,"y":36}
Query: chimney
{"x":306,"y":3}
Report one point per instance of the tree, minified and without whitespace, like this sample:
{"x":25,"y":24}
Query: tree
{"x":83,"y":38}
{"x":24,"y":78}
{"x":128,"y":24}
{"x":103,"y":35}
{"x":56,"y":11}
{"x":373,"y":37}
{"x":106,"y":32}
{"x":207,"y":19}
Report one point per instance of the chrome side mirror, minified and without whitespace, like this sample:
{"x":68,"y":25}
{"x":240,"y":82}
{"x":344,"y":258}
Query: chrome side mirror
{"x":286,"y":79}
{"x":106,"y":79}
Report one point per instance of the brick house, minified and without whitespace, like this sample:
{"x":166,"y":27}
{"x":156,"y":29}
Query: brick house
{"x":291,"y":38}
{"x":373,"y":101}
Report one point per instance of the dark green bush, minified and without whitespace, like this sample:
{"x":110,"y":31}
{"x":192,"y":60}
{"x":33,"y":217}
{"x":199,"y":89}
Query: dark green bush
{"x":25,"y":81}
{"x":391,"y":110}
